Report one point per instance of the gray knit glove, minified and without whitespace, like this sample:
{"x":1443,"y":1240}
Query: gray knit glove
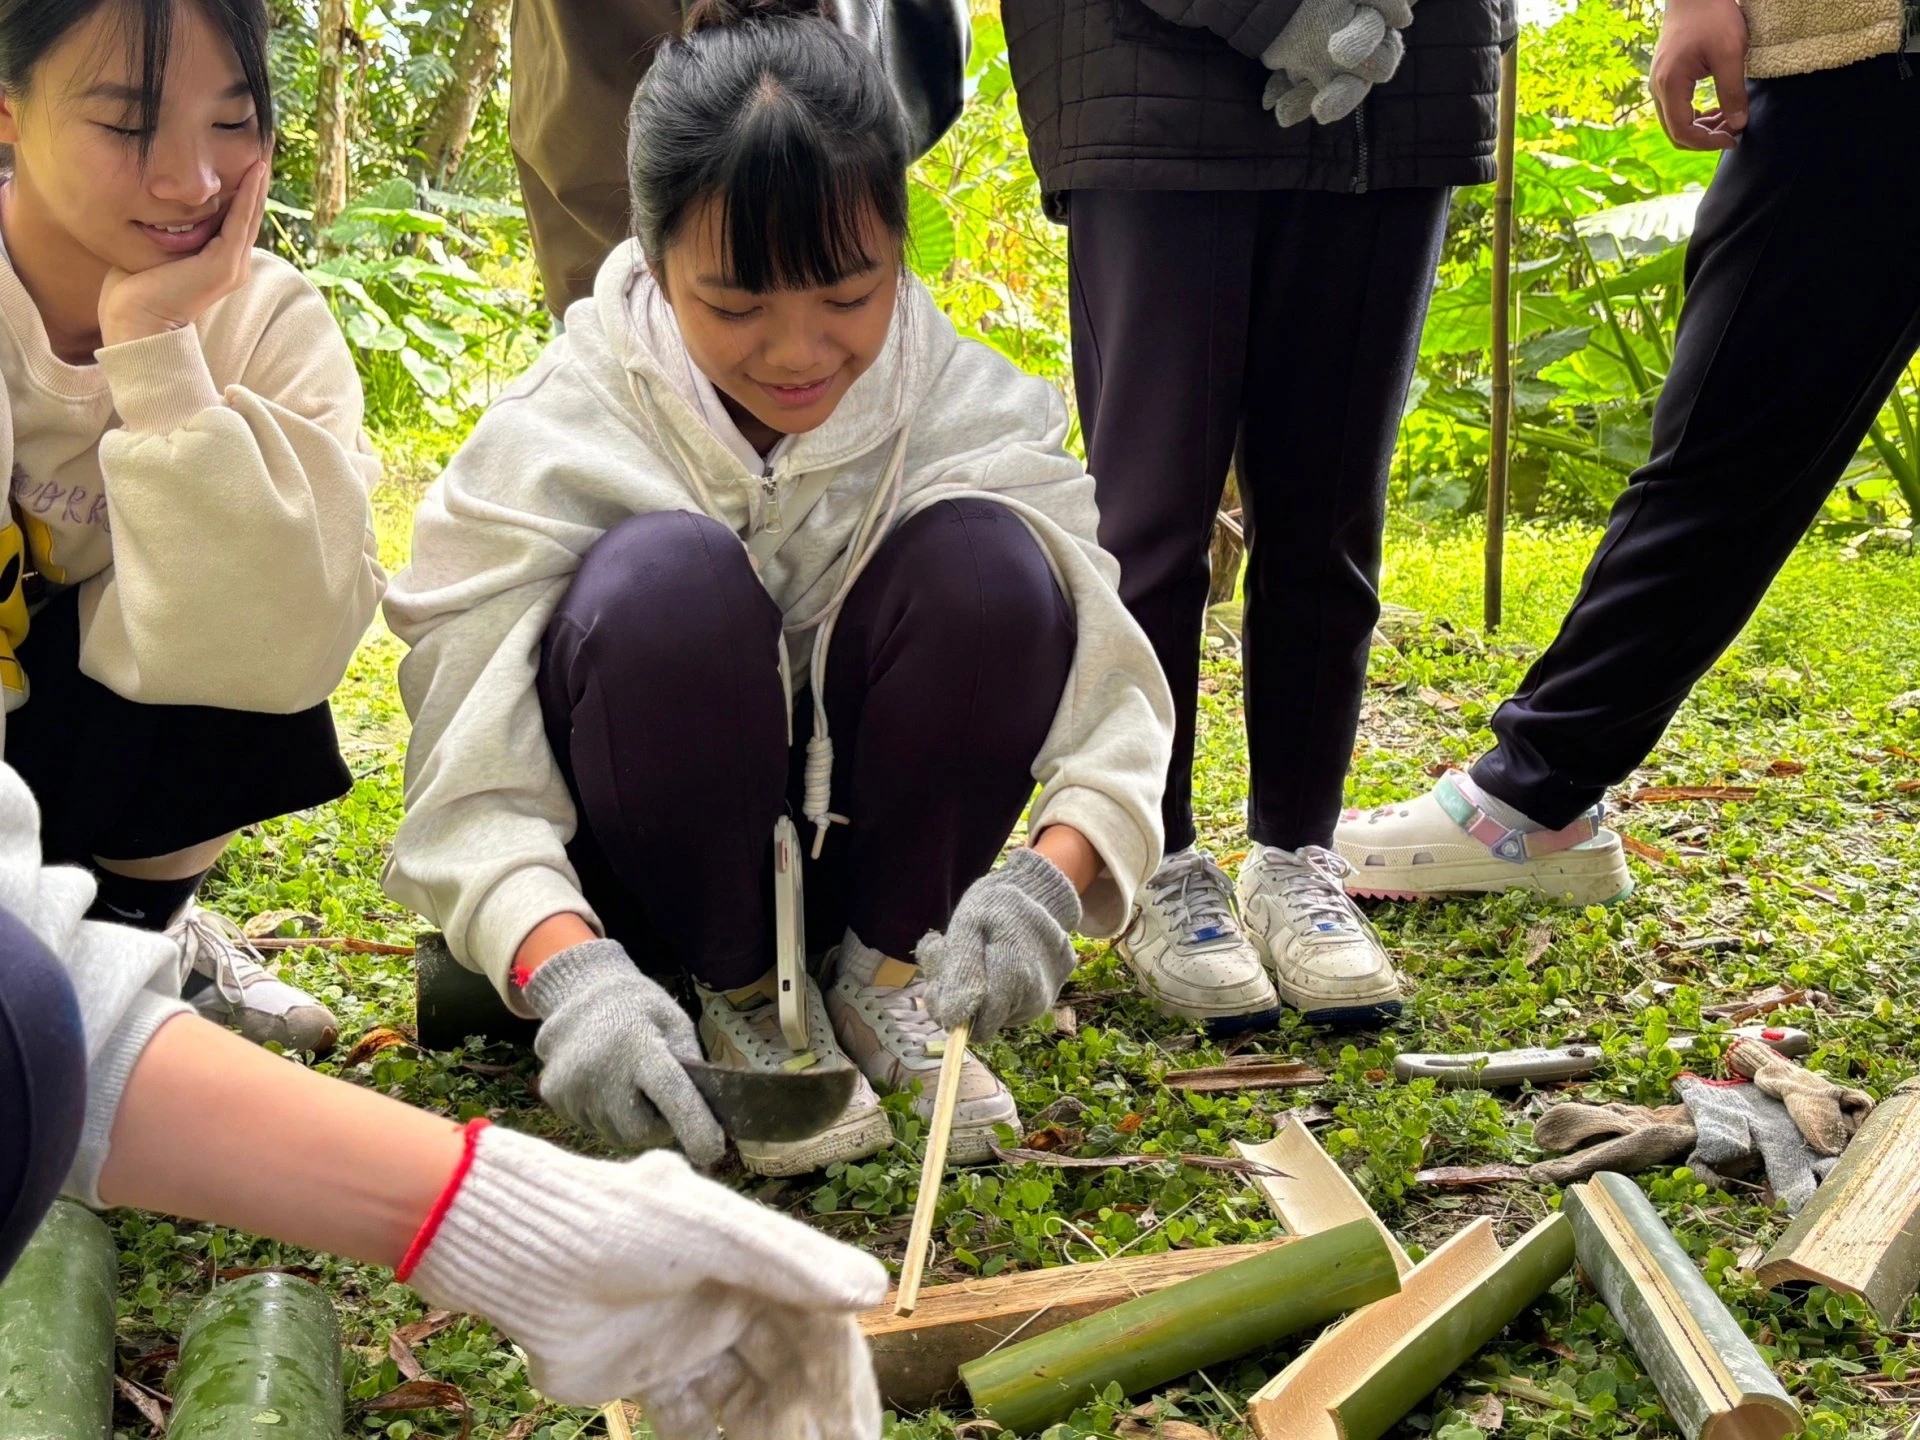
{"x":1330,"y":54}
{"x":1742,"y":1130}
{"x":610,"y":1045}
{"x":1006,"y":952}
{"x":1826,"y":1113}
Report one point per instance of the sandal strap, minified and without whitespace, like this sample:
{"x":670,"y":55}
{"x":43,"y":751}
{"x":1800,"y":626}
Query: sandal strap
{"x":1506,"y":843}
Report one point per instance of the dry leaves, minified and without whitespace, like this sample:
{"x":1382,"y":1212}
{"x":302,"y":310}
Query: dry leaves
{"x":1488,"y":1415}
{"x":1652,"y":854}
{"x":1252,"y":1072}
{"x":151,"y":1404}
{"x":381,"y":1037}
{"x":1738,"y":1012}
{"x":423,"y":1395}
{"x":1663,"y":794}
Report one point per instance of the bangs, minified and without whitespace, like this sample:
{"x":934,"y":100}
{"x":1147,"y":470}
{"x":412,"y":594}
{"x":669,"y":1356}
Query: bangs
{"x":794,"y":212}
{"x":147,"y":31}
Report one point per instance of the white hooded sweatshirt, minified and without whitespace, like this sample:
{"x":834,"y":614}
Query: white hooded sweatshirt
{"x":609,"y":424}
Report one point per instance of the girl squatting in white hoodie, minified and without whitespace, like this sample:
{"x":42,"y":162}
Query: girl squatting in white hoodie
{"x":188,"y":558}
{"x":761,"y":536}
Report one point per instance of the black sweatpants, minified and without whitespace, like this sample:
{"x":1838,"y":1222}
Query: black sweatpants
{"x":1803,"y":308}
{"x":660,"y":687}
{"x":1277,"y":329}
{"x":43,"y":1084}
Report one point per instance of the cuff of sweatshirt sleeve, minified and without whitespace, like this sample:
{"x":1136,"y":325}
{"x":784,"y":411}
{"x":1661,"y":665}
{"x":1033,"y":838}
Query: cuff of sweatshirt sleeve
{"x":507,"y":916}
{"x":161,"y":382}
{"x":1127,"y":854}
{"x":107,"y":1081}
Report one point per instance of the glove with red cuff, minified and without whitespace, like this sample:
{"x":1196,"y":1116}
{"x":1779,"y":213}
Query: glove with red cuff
{"x":641,"y":1280}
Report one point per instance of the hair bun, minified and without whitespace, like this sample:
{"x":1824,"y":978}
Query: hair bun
{"x":714,"y":14}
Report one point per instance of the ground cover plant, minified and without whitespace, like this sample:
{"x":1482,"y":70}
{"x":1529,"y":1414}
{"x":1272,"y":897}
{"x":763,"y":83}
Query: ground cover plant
{"x":1808,"y":882}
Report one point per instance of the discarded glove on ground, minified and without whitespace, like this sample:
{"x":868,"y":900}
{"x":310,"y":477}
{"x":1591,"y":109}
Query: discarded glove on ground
{"x":1744,"y":1131}
{"x":1826,"y":1113}
{"x":1626,"y":1138}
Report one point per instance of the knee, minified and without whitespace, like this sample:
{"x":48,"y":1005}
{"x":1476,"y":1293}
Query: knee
{"x":43,"y":1076}
{"x":988,"y":578}
{"x":671,"y":582}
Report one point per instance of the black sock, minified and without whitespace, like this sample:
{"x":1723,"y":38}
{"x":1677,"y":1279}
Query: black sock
{"x":143,"y":904}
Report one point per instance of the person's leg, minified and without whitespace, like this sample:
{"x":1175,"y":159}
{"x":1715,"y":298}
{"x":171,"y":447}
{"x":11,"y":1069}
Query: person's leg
{"x":1803,"y":307}
{"x":43,"y":1084}
{"x":149,"y":796}
{"x":1339,"y":299}
{"x":575,"y":66}
{"x":1160,"y":291}
{"x":944,"y":677}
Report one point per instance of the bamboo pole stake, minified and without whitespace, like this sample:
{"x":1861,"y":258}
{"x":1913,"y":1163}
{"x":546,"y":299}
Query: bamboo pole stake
{"x":1502,"y":419}
{"x":932,"y":1170}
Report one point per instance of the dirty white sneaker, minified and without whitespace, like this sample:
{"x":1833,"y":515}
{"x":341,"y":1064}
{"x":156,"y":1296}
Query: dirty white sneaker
{"x":1327,"y":961}
{"x":227,"y":981}
{"x":879,"y":1012}
{"x":1446,"y":843}
{"x":1187,"y":953}
{"x":743,"y":1028}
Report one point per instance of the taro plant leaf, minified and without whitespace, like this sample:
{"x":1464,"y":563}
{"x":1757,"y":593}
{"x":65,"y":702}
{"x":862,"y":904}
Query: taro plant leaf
{"x":1535,"y":354}
{"x":1641,"y":227}
{"x":429,"y":376}
{"x":437,"y":334}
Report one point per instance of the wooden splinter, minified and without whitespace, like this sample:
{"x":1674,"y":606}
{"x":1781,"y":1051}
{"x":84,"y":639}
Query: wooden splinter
{"x":946,"y":1099}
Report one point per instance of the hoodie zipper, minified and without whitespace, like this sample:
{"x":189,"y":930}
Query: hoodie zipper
{"x":1362,"y":157}
{"x":770,"y":495}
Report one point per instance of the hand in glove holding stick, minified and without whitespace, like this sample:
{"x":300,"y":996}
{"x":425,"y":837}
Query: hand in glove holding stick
{"x":1007,"y":952}
{"x":1330,"y":54}
{"x":610,"y":1045}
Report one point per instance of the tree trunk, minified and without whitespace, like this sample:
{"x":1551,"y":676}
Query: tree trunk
{"x":476,"y":61}
{"x":330,"y":120}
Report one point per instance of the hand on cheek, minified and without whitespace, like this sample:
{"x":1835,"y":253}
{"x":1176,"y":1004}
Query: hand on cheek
{"x":173,"y":295}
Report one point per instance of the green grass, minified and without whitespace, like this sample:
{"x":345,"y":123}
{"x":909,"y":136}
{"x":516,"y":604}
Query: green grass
{"x":1810,"y":882}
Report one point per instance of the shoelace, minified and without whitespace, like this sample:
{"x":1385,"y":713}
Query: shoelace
{"x":1311,"y":888}
{"x":232,"y":960}
{"x":762,"y":1024}
{"x":906,"y":1008}
{"x":1197,"y":894}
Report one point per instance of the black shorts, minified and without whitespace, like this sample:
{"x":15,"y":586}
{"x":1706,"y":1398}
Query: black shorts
{"x":118,"y":780}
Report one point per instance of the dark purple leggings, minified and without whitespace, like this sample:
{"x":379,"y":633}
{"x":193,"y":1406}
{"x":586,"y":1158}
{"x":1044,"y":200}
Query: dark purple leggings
{"x":660,"y":687}
{"x":43,"y":1084}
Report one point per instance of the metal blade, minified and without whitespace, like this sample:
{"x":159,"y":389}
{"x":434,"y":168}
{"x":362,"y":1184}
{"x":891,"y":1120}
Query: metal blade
{"x":771,"y":1106}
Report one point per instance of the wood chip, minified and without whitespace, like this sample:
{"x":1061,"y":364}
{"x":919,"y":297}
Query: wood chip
{"x":1664,"y":794}
{"x":1467,"y":1177}
{"x":1253,"y":1072}
{"x":1738,"y":1012}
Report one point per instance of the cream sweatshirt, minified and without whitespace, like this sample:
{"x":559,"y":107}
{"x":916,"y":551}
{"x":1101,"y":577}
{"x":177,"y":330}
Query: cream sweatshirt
{"x":207,"y":490}
{"x":608,"y":424}
{"x":127,"y":981}
{"x":1793,"y":37}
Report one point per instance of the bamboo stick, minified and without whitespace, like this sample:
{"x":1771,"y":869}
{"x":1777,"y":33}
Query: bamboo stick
{"x":932,"y":1169}
{"x":1502,"y":418}
{"x":1186,"y":1327}
{"x":1715,"y":1384}
{"x":1861,"y":1231}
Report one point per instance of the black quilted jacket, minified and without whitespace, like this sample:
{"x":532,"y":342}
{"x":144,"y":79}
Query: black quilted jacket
{"x":1165,"y":95}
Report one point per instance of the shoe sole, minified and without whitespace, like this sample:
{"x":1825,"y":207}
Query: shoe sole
{"x":867,"y":1136}
{"x":1218,"y":1020}
{"x":1573,"y":877}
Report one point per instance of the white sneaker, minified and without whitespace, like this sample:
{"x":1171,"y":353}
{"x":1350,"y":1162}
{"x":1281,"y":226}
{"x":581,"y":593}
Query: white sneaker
{"x":882,"y":1023}
{"x":227,"y":981}
{"x":1187,"y":953}
{"x":1445,"y":843}
{"x":748,"y":1035}
{"x":1327,"y":960}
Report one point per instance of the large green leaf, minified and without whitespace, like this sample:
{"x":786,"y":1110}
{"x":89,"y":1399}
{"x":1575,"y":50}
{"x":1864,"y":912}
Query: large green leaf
{"x":432,"y":378}
{"x":930,"y":238}
{"x":1641,"y":228}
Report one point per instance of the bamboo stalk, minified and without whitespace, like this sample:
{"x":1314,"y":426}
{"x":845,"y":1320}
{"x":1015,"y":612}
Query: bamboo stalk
{"x":1715,"y":1384}
{"x":1861,"y":1231}
{"x":1500,"y":439}
{"x":932,"y":1169}
{"x":1199,"y":1322}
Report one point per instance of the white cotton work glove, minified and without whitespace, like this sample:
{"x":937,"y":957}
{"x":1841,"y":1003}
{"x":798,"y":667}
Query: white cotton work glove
{"x":1007,"y":950}
{"x":1330,"y":54}
{"x":641,"y":1280}
{"x":610,"y":1044}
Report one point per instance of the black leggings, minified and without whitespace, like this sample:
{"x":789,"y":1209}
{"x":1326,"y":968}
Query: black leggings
{"x":43,"y":1084}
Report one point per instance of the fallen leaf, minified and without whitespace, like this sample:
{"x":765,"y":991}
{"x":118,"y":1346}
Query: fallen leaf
{"x":526,"y":1424}
{"x":1661,"y":794}
{"x":1054,"y":1137}
{"x":381,"y":1037}
{"x":1065,"y":1022}
{"x":282,"y":924}
{"x":1225,"y":1163}
{"x":1539,"y":938}
{"x":1432,"y":697}
{"x":1787,"y":767}
{"x":423,"y":1395}
{"x":1466,"y":1177}
{"x":1738,"y":1012}
{"x":1906,"y":787}
{"x":1650,"y":853}
{"x":1489,"y":1415}
{"x":1131,"y":1123}
{"x":151,"y":1404}
{"x":1255,"y":1072}
{"x":404,"y":1360}
{"x":432,"y":1323}
{"x":1132,"y":1429}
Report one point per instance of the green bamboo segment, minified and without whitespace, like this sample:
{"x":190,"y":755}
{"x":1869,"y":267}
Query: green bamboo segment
{"x":56,"y":1332}
{"x":1715,"y":1384}
{"x":1183,"y":1328}
{"x":1861,"y":1231}
{"x":260,"y":1357}
{"x":1448,"y":1339}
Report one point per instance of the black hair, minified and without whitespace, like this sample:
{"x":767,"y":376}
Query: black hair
{"x":30,"y":28}
{"x":786,"y":122}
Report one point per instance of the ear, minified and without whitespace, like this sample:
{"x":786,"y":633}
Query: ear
{"x":9,"y":119}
